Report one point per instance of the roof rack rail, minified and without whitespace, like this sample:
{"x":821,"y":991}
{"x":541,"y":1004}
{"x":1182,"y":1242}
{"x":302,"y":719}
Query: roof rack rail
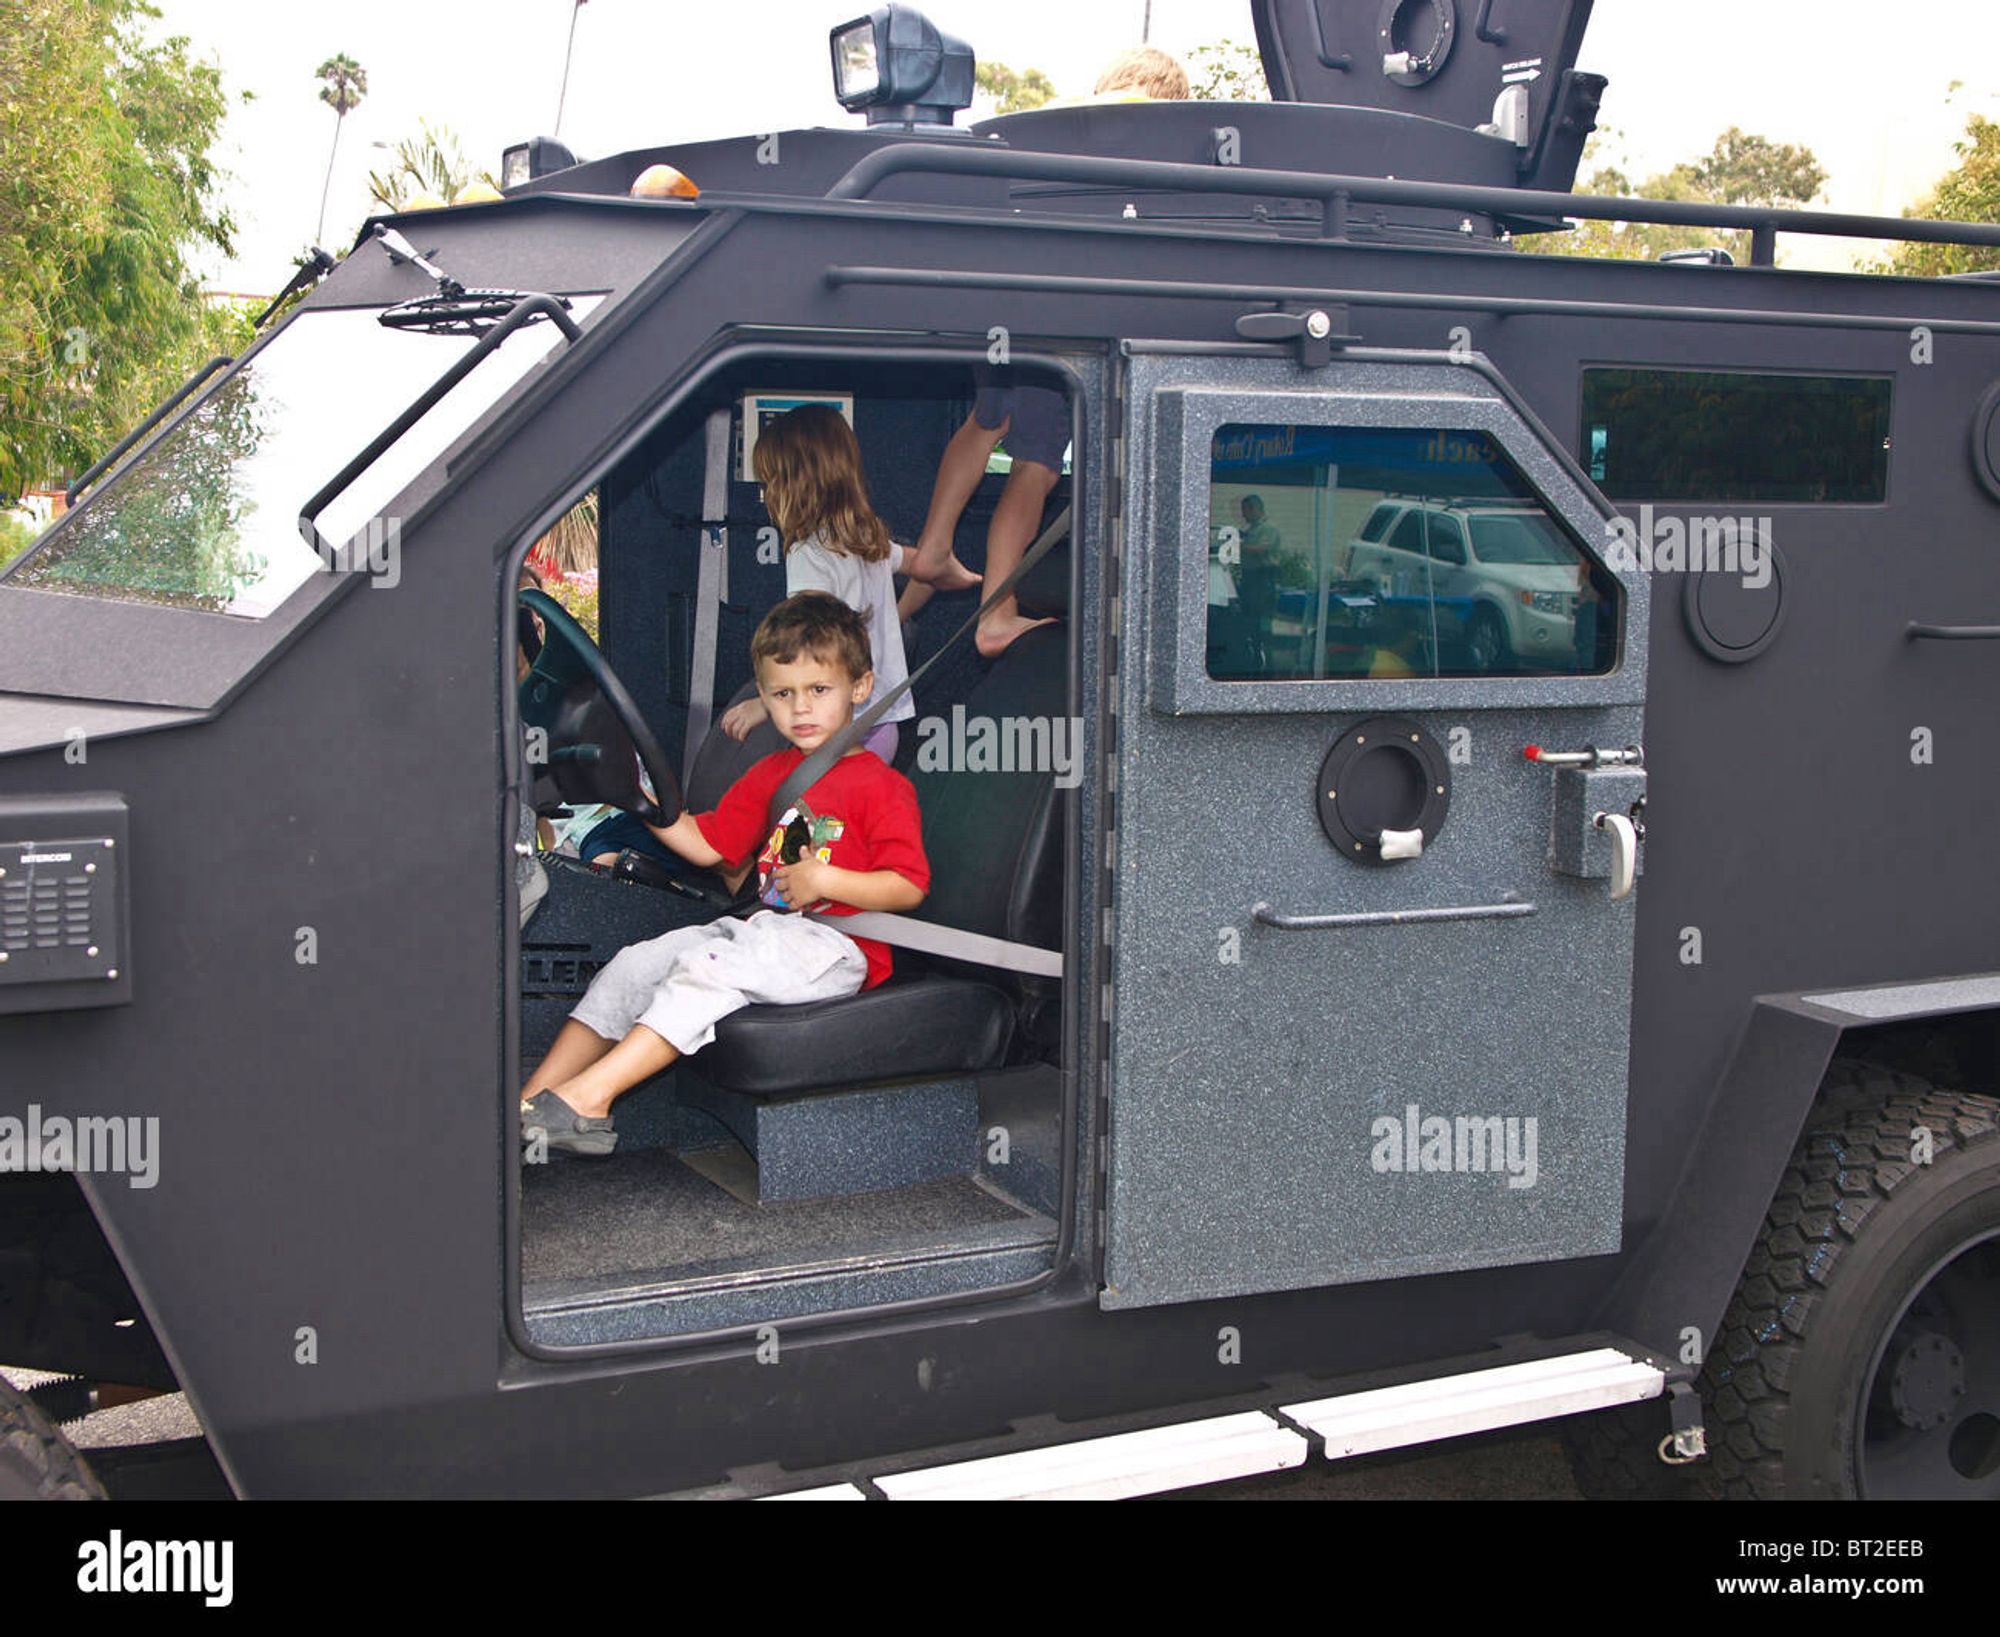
{"x":1337,"y":193}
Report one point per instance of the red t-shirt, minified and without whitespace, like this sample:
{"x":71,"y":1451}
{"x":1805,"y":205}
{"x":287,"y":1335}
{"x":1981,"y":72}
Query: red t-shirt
{"x":862,"y":815}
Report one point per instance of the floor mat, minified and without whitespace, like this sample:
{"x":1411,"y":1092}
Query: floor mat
{"x":648,"y":1212}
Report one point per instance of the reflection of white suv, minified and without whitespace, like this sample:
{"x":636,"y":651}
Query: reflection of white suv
{"x":1503,"y":578}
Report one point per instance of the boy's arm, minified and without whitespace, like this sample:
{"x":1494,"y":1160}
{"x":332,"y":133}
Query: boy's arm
{"x":685,"y":837}
{"x":809,"y":881}
{"x":737,"y":822}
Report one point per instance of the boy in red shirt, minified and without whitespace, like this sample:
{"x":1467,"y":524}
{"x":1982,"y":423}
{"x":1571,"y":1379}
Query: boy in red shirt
{"x":856,"y":837}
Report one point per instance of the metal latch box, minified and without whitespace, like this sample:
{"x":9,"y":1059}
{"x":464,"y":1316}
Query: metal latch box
{"x":65,"y":912}
{"x":1577,"y":845}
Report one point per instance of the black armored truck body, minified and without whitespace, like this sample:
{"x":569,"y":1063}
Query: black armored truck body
{"x":1475,"y":908}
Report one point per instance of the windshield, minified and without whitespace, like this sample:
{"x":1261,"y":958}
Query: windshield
{"x":208,"y":517}
{"x":1524,"y":539}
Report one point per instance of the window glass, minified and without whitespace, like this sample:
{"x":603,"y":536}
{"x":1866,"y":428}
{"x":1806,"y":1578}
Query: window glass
{"x":1446,"y":541}
{"x":207,"y":518}
{"x":1379,"y":521}
{"x":1665,"y":434}
{"x":1344,"y":552}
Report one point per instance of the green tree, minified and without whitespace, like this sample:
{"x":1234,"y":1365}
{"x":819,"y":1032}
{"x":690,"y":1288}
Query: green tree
{"x":1227,"y":71}
{"x":108,"y":191}
{"x":1741,"y":169}
{"x":1013,"y":91}
{"x":343,"y":83}
{"x":1969,"y":193}
{"x":430,"y":162}
{"x":16,"y":535}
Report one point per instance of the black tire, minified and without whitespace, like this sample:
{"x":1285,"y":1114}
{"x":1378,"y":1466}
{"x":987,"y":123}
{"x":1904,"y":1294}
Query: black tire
{"x":37,"y":1463}
{"x":1614,"y":1455}
{"x":1486,"y":649}
{"x":1805,"y":1396}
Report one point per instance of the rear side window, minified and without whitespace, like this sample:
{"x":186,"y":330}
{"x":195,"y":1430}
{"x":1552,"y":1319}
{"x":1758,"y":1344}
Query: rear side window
{"x":1378,"y":522}
{"x":1409,"y":535}
{"x":1669,"y":434}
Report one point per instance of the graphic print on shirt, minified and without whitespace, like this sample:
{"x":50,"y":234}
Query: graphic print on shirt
{"x":800,"y":833}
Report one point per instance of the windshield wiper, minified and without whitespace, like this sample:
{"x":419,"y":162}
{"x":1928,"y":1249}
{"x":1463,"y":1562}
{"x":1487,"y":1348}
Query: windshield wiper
{"x":454,"y":310}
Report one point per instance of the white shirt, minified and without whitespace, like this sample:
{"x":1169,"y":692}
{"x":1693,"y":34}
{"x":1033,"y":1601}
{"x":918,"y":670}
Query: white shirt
{"x":869,"y":589}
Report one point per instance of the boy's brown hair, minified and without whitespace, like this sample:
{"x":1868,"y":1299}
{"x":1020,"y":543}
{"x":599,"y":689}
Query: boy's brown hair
{"x":1148,"y":69}
{"x":817,"y":625}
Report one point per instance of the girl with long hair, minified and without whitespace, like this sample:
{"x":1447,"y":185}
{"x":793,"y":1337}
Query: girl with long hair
{"x":809,"y":463}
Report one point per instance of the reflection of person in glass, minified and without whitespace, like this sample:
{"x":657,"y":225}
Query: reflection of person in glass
{"x":1589,"y":595}
{"x":1257,"y":578}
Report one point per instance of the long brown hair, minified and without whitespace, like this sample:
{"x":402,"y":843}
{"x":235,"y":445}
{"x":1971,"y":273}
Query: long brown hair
{"x":809,"y":462}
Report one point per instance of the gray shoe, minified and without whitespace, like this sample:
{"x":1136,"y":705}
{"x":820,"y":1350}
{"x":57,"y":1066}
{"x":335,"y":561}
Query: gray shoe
{"x":564,"y":1129}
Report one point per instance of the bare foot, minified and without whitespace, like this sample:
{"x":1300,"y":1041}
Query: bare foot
{"x":998,"y":631}
{"x":948,"y":575}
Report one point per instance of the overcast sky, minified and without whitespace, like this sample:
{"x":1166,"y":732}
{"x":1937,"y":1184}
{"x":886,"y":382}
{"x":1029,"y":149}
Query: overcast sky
{"x":1865,"y":85}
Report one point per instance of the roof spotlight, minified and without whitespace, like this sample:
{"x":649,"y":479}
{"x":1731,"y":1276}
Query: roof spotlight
{"x":895,"y":65}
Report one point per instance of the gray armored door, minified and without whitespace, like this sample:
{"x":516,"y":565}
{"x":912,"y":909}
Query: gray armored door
{"x":1372,"y":965}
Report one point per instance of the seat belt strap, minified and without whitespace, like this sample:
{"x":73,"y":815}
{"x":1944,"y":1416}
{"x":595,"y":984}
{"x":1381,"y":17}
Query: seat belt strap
{"x":927,"y":937}
{"x":803,"y":777}
{"x":711,"y":589}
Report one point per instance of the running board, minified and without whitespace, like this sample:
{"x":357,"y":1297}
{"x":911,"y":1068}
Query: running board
{"x":1108,"y":1469}
{"x":1238,"y":1446}
{"x":1479,"y":1401}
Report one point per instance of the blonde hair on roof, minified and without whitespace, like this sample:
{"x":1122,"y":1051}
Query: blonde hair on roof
{"x":1145,"y":68}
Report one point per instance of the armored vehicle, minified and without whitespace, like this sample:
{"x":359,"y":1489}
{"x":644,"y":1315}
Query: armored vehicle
{"x":1341,"y":1017}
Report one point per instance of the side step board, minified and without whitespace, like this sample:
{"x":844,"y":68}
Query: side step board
{"x":1238,"y":1446}
{"x":1452,"y":1406}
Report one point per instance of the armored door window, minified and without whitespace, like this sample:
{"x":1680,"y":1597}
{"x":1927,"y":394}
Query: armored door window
{"x":1474,"y":577}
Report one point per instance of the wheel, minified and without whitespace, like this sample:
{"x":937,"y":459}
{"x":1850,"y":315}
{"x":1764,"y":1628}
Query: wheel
{"x":37,"y":1463}
{"x":1614,"y":1455}
{"x":1860,"y":1356}
{"x":1486,"y":642}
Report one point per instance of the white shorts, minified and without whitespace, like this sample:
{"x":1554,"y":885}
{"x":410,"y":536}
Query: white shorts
{"x":682,"y":984}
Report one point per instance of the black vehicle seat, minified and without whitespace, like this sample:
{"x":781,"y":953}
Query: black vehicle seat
{"x":721,"y":761}
{"x":996,"y":852}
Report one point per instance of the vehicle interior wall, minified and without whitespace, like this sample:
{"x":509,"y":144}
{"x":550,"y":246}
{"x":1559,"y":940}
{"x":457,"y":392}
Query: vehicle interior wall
{"x":648,"y":567}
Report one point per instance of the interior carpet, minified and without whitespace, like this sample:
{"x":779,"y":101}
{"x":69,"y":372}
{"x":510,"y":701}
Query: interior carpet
{"x":648,"y":1212}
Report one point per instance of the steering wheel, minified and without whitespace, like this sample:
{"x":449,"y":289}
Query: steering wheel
{"x":596,"y":737}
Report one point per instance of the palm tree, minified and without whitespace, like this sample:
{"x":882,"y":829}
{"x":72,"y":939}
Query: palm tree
{"x":344,"y":82}
{"x":430,"y":162}
{"x":571,"y":546}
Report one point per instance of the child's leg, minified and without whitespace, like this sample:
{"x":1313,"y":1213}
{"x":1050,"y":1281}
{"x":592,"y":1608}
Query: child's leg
{"x":576,"y":1048}
{"x":883,"y":741}
{"x":1015,"y":522}
{"x":635,"y":1059}
{"x":609,"y":1010}
{"x":958,"y":474}
{"x":769,"y":959}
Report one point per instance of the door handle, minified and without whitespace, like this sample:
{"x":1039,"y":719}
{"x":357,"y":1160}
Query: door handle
{"x":1624,"y":836}
{"x":1510,"y":909}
